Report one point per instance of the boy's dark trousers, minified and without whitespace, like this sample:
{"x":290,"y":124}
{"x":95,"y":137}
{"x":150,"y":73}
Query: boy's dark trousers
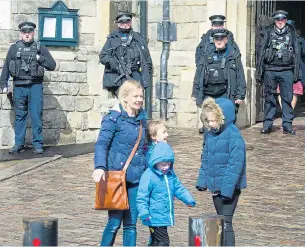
{"x":159,"y":236}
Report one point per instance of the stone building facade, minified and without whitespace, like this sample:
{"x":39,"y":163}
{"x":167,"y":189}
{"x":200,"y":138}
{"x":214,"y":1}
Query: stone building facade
{"x":74,"y":100}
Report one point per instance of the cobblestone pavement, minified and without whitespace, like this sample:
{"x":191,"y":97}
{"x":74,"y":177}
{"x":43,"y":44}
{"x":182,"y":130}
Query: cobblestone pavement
{"x":271,"y":211}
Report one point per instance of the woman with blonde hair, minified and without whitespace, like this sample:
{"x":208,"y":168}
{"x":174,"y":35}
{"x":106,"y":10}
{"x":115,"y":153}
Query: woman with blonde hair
{"x":118,"y":135}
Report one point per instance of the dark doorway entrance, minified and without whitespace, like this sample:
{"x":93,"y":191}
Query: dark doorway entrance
{"x":295,"y":10}
{"x":263,"y":11}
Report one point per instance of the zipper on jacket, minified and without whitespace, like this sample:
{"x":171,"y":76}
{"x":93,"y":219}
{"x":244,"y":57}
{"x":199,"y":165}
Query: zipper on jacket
{"x":169,"y":198}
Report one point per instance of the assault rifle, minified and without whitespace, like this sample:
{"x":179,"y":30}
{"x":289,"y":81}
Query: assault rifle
{"x":124,"y":68}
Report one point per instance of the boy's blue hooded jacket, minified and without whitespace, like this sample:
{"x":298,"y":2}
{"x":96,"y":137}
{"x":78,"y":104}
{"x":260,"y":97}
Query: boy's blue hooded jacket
{"x":156,"y":191}
{"x":224,"y":156}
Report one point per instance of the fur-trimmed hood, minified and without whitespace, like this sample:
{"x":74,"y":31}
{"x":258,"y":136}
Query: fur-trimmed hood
{"x":223,"y":109}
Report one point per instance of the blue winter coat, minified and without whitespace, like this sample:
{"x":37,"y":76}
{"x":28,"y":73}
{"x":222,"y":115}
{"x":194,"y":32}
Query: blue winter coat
{"x":224,"y":156}
{"x":156,"y":191}
{"x":116,"y":139}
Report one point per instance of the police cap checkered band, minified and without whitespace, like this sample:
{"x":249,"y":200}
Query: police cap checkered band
{"x":217,"y":18}
{"x":122,"y":17}
{"x":280,"y":14}
{"x":218,"y":33}
{"x":27,"y":26}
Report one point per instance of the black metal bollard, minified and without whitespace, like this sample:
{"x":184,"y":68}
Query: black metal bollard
{"x":206,"y":230}
{"x":40,"y":231}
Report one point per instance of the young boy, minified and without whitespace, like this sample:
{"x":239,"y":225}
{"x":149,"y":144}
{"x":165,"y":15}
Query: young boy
{"x":157,"y":131}
{"x":157,"y":189}
{"x":223,"y":169}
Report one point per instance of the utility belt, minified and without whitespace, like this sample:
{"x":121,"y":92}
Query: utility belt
{"x":19,"y":82}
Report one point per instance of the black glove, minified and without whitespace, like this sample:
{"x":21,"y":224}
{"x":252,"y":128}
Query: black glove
{"x":201,"y":188}
{"x":114,"y":65}
{"x":135,"y":65}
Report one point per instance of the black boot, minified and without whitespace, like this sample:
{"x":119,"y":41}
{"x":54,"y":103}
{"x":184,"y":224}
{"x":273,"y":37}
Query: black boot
{"x":289,"y":131}
{"x":17,"y":149}
{"x":265,"y":131}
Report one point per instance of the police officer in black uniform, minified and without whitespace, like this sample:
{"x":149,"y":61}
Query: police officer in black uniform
{"x":220,"y":72}
{"x":217,"y":22}
{"x":207,"y":41}
{"x":125,"y":56}
{"x":278,"y":62}
{"x":25,"y":62}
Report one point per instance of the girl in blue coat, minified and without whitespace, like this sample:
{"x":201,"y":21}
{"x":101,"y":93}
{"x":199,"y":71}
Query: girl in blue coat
{"x":117,"y":137}
{"x":158,"y":187}
{"x":223,"y":169}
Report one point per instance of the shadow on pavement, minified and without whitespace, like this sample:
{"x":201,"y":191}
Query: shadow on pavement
{"x":50,"y":151}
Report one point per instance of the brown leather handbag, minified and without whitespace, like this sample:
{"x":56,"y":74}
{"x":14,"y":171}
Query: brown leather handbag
{"x":111,"y":193}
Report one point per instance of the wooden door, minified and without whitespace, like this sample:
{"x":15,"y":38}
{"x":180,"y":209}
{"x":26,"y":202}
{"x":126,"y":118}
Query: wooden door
{"x":264,"y":9}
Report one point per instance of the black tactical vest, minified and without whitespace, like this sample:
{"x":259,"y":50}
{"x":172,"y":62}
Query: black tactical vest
{"x":25,"y":66}
{"x":130,"y":51}
{"x":216,"y":84}
{"x":282,"y":47}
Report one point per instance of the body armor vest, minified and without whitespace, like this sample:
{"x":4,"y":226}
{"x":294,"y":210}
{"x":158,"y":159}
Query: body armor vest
{"x":282,"y":48}
{"x":216,"y":84}
{"x":130,"y":51}
{"x":25,"y":66}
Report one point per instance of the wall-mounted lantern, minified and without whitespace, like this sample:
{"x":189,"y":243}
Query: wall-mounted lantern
{"x":58,"y":25}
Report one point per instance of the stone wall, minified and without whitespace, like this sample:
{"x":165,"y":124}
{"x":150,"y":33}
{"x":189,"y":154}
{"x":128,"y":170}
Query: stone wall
{"x":74,"y":100}
{"x":192,"y":19}
{"x":189,"y":15}
{"x":73,"y":95}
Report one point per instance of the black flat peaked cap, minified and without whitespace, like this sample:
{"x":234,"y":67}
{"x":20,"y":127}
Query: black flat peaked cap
{"x":217,"y":19}
{"x":123,"y":16}
{"x":218,"y":33}
{"x":279,"y":14}
{"x":27,"y":26}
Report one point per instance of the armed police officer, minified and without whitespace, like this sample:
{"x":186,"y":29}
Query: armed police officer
{"x":25,"y":62}
{"x":220,"y":72}
{"x":207,"y":42}
{"x":278,"y":62}
{"x":125,"y":55}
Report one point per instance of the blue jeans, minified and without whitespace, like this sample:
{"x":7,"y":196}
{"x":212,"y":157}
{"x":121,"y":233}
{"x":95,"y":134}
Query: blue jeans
{"x":129,"y":218}
{"x":28,"y":98}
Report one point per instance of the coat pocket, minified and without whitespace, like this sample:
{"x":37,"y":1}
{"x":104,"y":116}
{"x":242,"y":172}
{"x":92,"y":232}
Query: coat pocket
{"x":118,"y":162}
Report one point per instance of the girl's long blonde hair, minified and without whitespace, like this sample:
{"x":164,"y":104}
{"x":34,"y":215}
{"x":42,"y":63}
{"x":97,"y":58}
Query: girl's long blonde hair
{"x":210,"y":105}
{"x":127,"y":87}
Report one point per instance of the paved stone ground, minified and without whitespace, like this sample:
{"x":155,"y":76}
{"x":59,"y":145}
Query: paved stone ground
{"x":270,"y":212}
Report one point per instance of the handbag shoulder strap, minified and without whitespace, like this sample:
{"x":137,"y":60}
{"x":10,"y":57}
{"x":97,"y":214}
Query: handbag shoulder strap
{"x":134,"y":148}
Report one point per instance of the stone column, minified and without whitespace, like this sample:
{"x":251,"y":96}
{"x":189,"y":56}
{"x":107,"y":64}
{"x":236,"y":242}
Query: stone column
{"x":237,"y":19}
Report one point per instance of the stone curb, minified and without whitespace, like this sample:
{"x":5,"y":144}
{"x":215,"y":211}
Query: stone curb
{"x":20,"y":171}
